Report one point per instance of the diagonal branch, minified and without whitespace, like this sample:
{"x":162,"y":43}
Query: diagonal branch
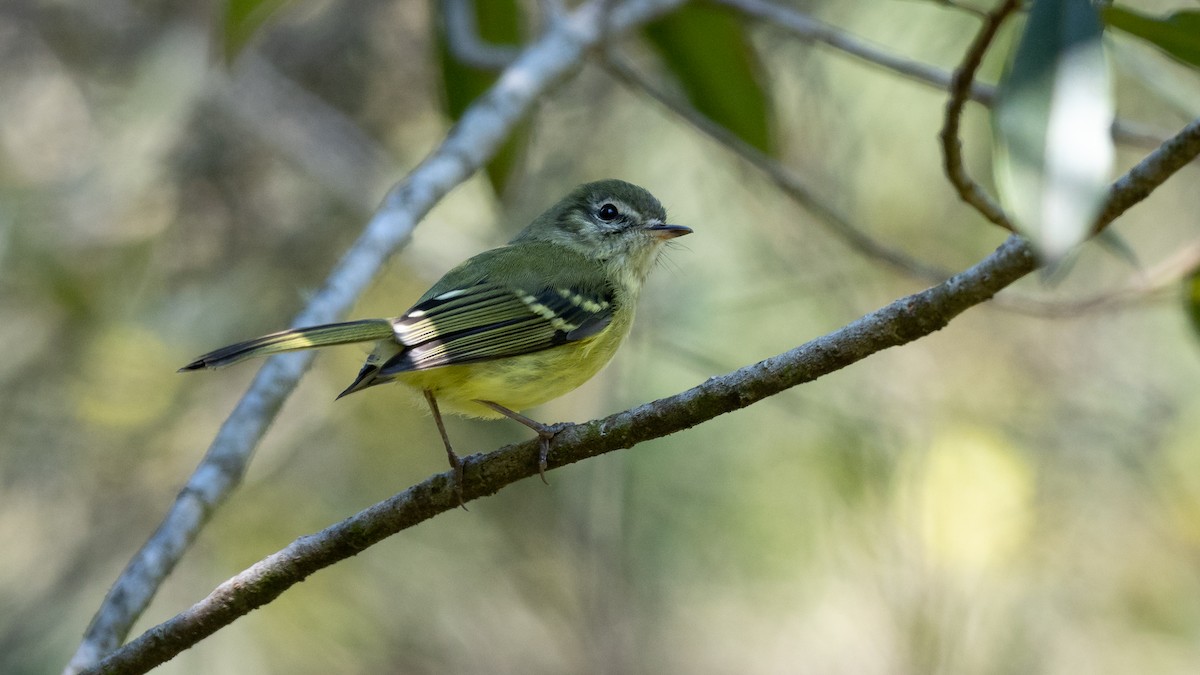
{"x":469,"y":145}
{"x":903,"y":321}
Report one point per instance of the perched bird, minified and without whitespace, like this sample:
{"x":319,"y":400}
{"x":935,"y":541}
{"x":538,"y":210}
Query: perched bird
{"x":512,"y":327}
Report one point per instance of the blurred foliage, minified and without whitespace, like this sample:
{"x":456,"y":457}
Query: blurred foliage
{"x":1013,"y":494}
{"x":1192,"y":299}
{"x":1053,"y":126}
{"x":708,"y":51}
{"x":1177,"y":34}
{"x":242,"y":19}
{"x":498,"y":23}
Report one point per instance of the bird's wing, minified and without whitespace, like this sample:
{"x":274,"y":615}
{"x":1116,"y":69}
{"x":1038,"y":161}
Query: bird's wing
{"x":488,"y":321}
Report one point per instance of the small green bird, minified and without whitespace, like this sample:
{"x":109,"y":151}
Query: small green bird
{"x":512,"y":327}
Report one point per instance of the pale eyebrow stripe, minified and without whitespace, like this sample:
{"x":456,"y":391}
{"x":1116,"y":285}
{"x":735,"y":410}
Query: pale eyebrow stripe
{"x":622,"y":206}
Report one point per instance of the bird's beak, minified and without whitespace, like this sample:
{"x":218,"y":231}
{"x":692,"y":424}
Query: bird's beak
{"x":665,"y":231}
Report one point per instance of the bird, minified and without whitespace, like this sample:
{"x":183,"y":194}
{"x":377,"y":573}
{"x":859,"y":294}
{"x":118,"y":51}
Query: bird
{"x":514,"y":326}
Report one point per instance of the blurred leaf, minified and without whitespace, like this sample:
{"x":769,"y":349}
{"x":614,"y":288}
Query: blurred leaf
{"x":242,"y":19}
{"x":1055,"y":271}
{"x":708,"y":51}
{"x":1193,"y":299}
{"x":1177,"y":34}
{"x":1115,"y":244}
{"x":498,"y":23}
{"x":1051,"y":123}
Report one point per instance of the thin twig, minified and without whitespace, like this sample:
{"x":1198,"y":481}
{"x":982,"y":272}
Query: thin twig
{"x":468,"y":146}
{"x":903,"y":321}
{"x":960,"y":87}
{"x":808,"y":29}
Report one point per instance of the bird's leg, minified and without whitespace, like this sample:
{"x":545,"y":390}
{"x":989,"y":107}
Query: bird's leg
{"x":545,"y":432}
{"x":456,"y":462}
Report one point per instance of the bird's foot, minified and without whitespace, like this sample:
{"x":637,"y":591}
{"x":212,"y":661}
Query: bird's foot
{"x":545,"y":432}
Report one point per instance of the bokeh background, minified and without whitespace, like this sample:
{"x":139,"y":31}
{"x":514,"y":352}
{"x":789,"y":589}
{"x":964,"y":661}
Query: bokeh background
{"x":1019,"y":492}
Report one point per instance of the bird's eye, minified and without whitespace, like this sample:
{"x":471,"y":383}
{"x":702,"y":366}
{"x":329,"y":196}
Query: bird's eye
{"x":608,"y":213}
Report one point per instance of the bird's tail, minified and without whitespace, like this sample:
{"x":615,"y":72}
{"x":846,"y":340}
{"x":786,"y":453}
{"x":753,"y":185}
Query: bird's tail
{"x":366,"y":330}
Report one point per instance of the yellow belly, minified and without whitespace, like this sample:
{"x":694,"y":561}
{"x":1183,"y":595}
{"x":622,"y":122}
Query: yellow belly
{"x":518,"y":382}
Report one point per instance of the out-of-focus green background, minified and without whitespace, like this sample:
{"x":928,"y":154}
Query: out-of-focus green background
{"x":1013,"y":494}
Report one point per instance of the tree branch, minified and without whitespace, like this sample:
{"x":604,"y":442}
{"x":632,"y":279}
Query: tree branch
{"x":900,"y":322}
{"x":468,"y":146}
{"x":903,"y":321}
{"x":1137,"y":184}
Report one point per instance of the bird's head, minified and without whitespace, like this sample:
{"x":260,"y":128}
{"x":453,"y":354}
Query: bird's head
{"x":613,"y":222}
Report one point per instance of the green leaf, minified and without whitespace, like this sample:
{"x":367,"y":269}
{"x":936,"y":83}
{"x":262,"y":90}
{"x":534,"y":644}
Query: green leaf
{"x":1177,"y":34}
{"x":1192,"y":298}
{"x":498,"y":23}
{"x":1051,"y":123}
{"x":708,"y":51}
{"x":242,"y":19}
